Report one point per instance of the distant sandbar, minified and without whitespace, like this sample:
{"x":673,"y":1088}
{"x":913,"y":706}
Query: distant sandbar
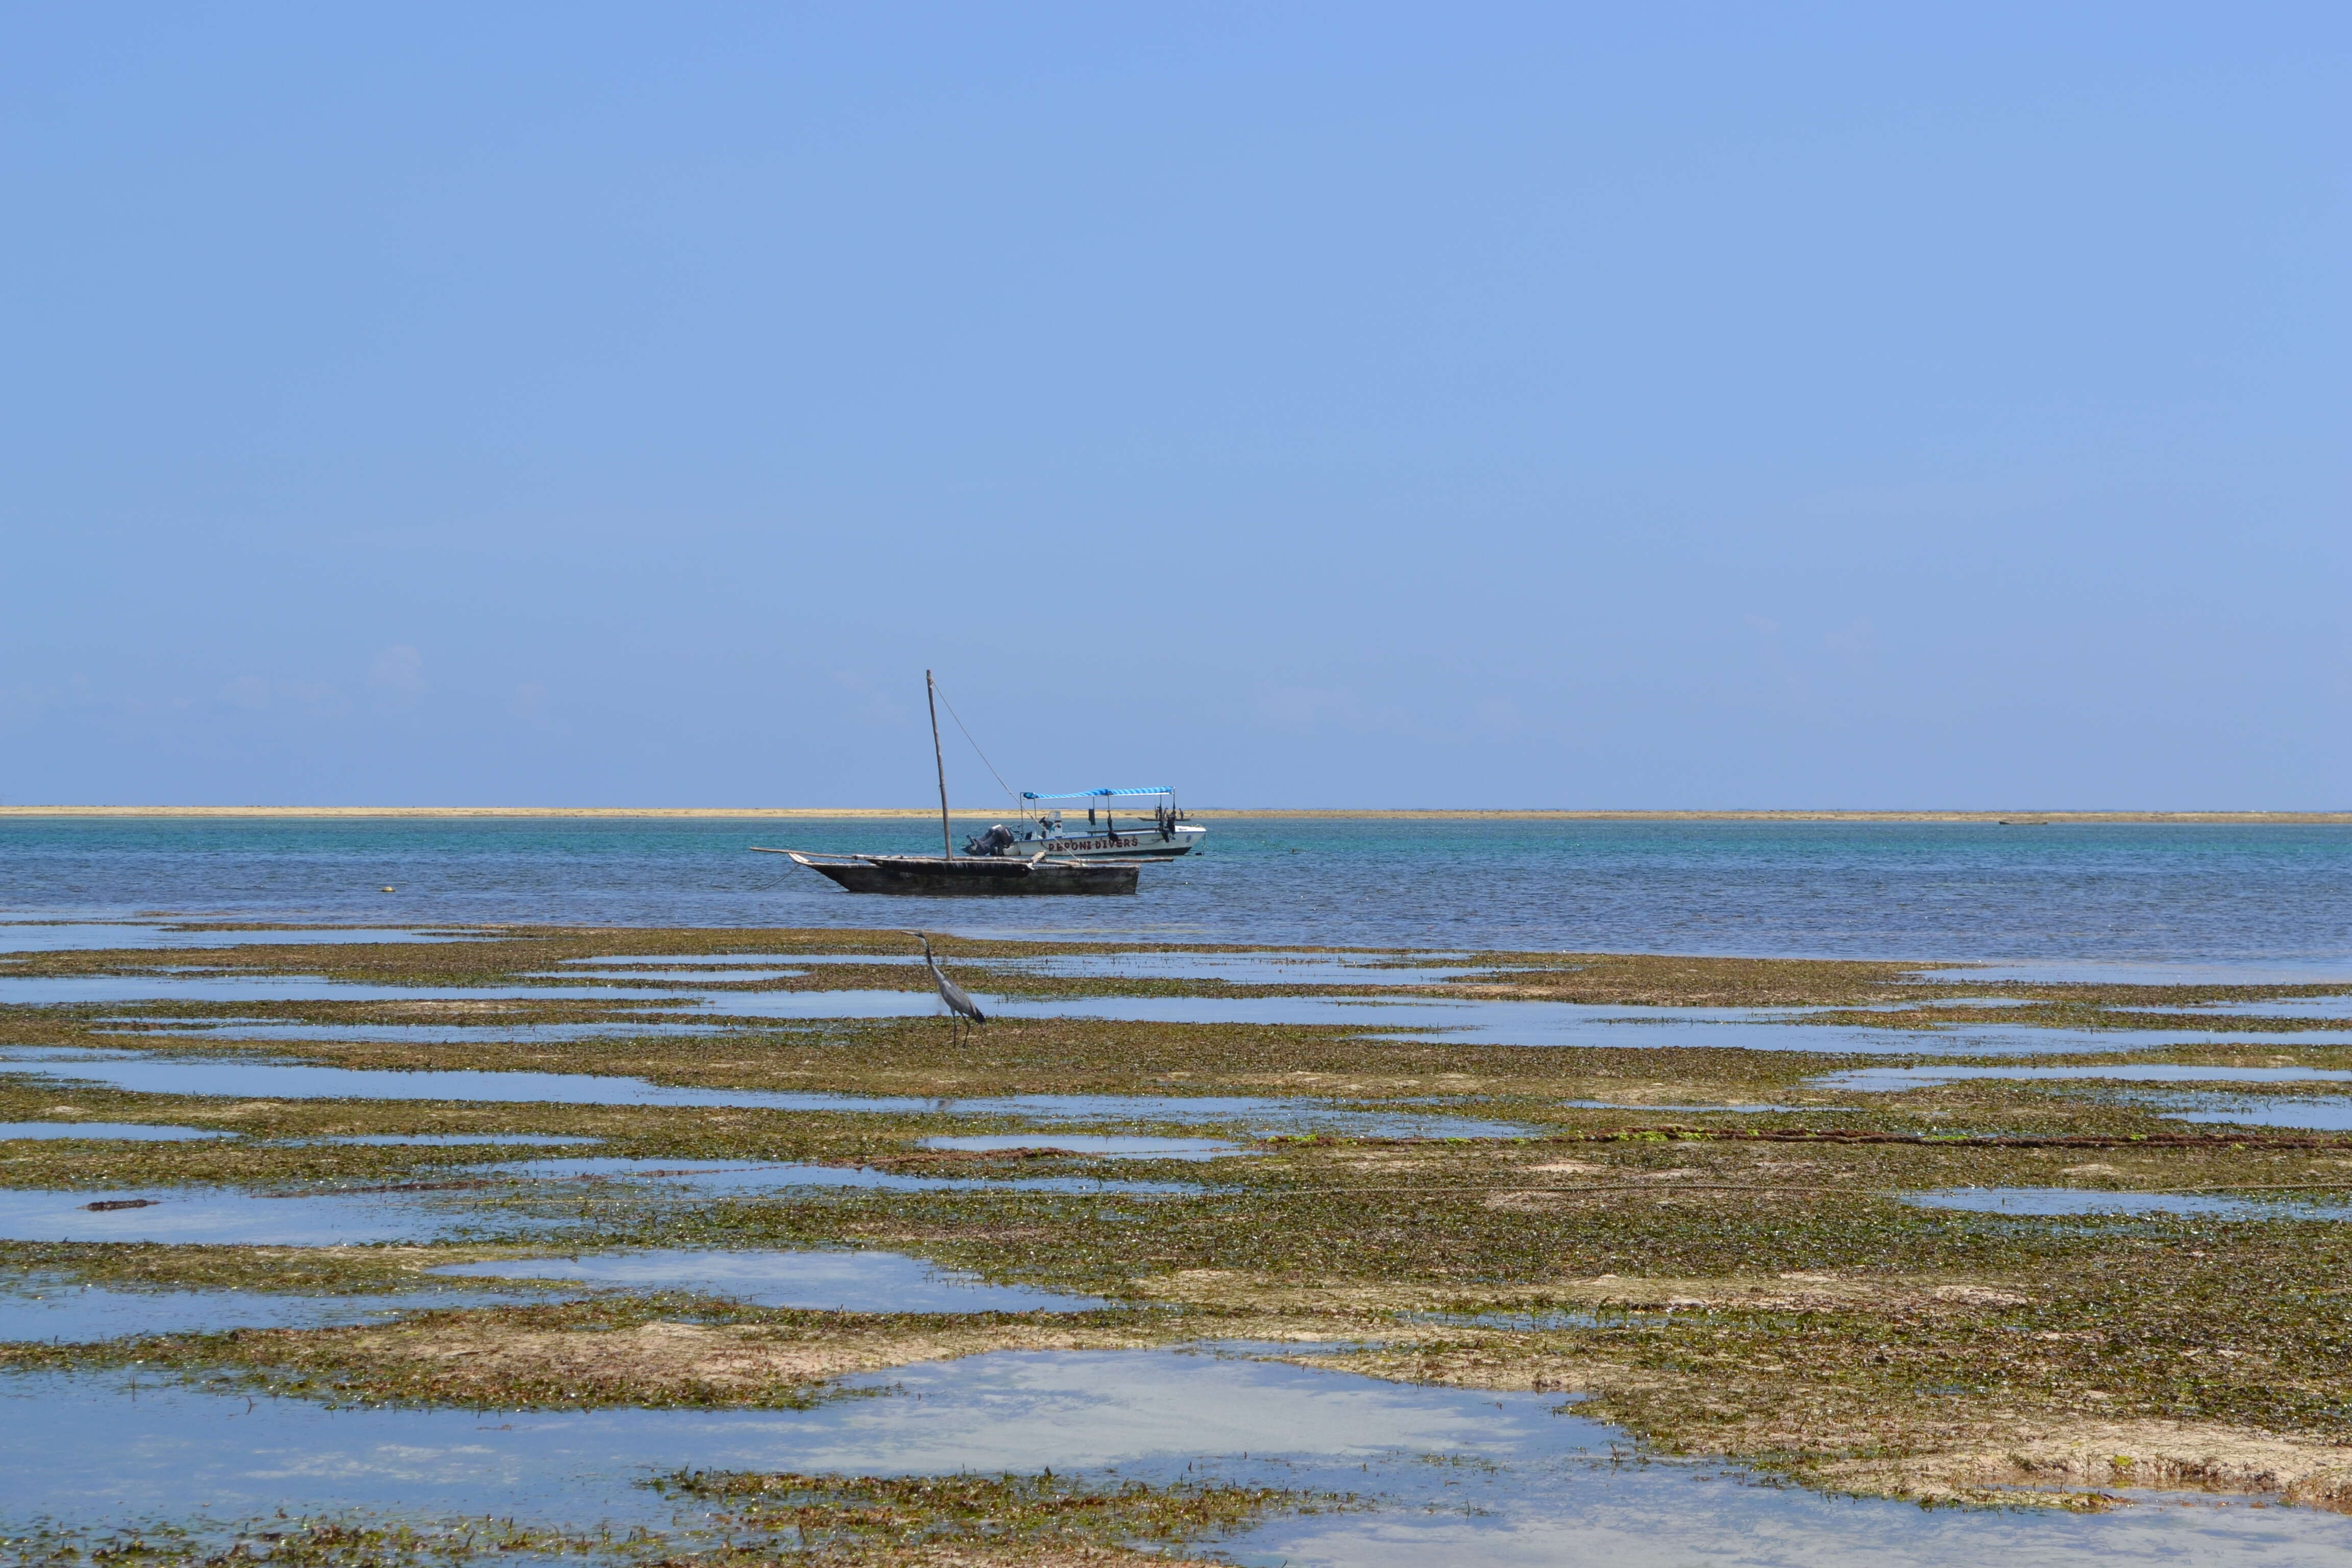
{"x":1443,"y":814}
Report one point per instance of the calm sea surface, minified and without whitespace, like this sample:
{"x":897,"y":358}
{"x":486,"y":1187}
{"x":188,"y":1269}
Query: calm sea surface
{"x":2227,"y":895}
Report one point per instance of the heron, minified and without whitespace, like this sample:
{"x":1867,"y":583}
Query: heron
{"x":959,"y":1001}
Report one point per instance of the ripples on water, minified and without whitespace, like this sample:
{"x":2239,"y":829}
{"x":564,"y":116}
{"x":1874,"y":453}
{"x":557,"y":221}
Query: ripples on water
{"x":1928,"y":890}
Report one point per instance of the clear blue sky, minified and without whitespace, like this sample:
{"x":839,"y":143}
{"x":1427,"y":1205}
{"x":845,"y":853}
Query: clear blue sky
{"x":1463,"y":404}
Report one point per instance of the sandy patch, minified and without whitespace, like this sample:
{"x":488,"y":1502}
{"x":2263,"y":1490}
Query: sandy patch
{"x":1498,"y":1368}
{"x":2157,"y":1455}
{"x":1805,"y":1292}
{"x":455,"y":1006}
{"x":1368,"y":1161}
{"x":1530,"y":1202}
{"x":1663,"y":1194}
{"x":463,"y":1360}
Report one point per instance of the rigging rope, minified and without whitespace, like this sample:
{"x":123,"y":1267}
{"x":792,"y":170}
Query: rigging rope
{"x":1007,"y":788}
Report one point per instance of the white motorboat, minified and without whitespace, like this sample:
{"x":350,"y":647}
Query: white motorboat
{"x":1161,"y":834}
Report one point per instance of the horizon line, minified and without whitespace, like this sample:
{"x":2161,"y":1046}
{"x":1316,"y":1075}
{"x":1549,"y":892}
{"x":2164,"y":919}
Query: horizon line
{"x":2014,"y":816}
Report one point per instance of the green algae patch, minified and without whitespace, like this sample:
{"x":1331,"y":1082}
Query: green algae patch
{"x":287,"y":1270}
{"x":1009,"y":1518}
{"x":664,"y":1351}
{"x":1872,"y":1382}
{"x":314,"y":1543}
{"x":746,"y":1521}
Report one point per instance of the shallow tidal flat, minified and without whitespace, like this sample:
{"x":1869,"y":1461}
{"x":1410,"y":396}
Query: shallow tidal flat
{"x":658,"y":1244}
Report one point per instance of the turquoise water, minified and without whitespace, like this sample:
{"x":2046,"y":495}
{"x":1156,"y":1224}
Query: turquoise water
{"x":2222,"y":895}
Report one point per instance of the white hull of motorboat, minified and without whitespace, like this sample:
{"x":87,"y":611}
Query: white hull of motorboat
{"x":1138,"y":844}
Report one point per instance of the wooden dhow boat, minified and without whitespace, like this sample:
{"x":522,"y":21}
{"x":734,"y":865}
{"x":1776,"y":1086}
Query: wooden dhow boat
{"x":938,"y":876}
{"x":1039,"y":867}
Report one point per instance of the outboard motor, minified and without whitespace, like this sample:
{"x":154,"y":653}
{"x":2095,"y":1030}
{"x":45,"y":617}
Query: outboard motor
{"x":995,"y":841}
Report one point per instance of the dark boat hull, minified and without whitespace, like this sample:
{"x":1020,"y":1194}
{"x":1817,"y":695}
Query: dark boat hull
{"x":933,"y":877}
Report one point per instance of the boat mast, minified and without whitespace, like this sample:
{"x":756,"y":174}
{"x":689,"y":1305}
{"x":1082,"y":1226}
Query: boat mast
{"x":931,"y":695}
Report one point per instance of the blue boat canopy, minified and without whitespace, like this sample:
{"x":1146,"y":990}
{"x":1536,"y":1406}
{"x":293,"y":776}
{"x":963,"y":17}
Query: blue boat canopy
{"x":1092,"y":794}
